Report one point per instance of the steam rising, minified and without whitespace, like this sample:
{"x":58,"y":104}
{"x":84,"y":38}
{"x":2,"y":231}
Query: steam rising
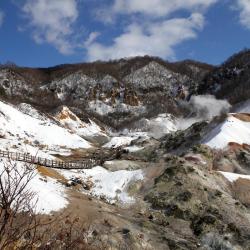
{"x":199,"y":108}
{"x":203,"y":107}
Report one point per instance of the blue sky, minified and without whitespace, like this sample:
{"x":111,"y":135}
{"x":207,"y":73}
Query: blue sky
{"x":42,"y":33}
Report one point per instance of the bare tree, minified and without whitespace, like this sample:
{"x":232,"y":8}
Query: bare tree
{"x":17,"y":218}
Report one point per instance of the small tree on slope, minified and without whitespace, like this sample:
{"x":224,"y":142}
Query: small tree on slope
{"x":17,"y":219}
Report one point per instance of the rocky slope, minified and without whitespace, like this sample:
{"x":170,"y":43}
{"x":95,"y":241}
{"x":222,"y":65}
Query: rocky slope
{"x":123,"y":90}
{"x":230,"y":80}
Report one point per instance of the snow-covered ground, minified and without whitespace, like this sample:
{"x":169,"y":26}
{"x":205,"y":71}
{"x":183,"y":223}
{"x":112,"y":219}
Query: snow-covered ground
{"x":31,"y":111}
{"x":118,"y":141}
{"x":232,"y":177}
{"x":231,"y":130}
{"x":51,"y":195}
{"x":18,"y":129}
{"x":106,"y":184}
{"x":48,"y":196}
{"x":133,"y":148}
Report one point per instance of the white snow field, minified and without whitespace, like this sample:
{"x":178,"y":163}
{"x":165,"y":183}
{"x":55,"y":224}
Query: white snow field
{"x":231,"y":130}
{"x":19,"y":129}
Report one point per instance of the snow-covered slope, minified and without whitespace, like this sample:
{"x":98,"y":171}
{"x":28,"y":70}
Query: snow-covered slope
{"x":19,"y":129}
{"x":232,"y":177}
{"x":76,"y":84}
{"x":31,"y":111}
{"x":231,"y":130}
{"x":69,"y":120}
{"x":155,"y":75}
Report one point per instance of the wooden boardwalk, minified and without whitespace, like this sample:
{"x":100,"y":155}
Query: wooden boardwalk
{"x":27,"y":158}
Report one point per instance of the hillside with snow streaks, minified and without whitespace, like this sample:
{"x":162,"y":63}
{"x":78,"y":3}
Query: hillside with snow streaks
{"x":70,"y":121}
{"x":20,"y":128}
{"x":231,"y":130}
{"x":154,"y":75}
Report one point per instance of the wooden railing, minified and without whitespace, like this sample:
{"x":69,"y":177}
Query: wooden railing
{"x":25,"y":157}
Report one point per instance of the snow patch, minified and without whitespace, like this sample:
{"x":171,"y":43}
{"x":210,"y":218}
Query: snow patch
{"x":133,"y":148}
{"x":51,"y":195}
{"x":231,"y":130}
{"x":110,"y":185}
{"x":116,"y":142}
{"x":232,"y":177}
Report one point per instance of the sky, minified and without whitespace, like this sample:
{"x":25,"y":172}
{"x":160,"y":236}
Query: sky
{"x":43,"y":33}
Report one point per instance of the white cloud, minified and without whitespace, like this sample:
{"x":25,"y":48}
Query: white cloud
{"x":244,"y":8}
{"x":1,"y":17}
{"x":92,"y":37}
{"x":150,"y":30}
{"x":52,"y":22}
{"x":150,"y":8}
{"x":156,"y":38}
{"x":160,"y":7}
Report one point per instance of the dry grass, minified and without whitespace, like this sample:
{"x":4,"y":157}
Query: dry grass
{"x":48,"y":172}
{"x":241,"y":190}
{"x":65,"y":115}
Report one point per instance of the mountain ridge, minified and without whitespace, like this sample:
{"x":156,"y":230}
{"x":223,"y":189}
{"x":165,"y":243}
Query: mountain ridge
{"x":120,"y":92}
